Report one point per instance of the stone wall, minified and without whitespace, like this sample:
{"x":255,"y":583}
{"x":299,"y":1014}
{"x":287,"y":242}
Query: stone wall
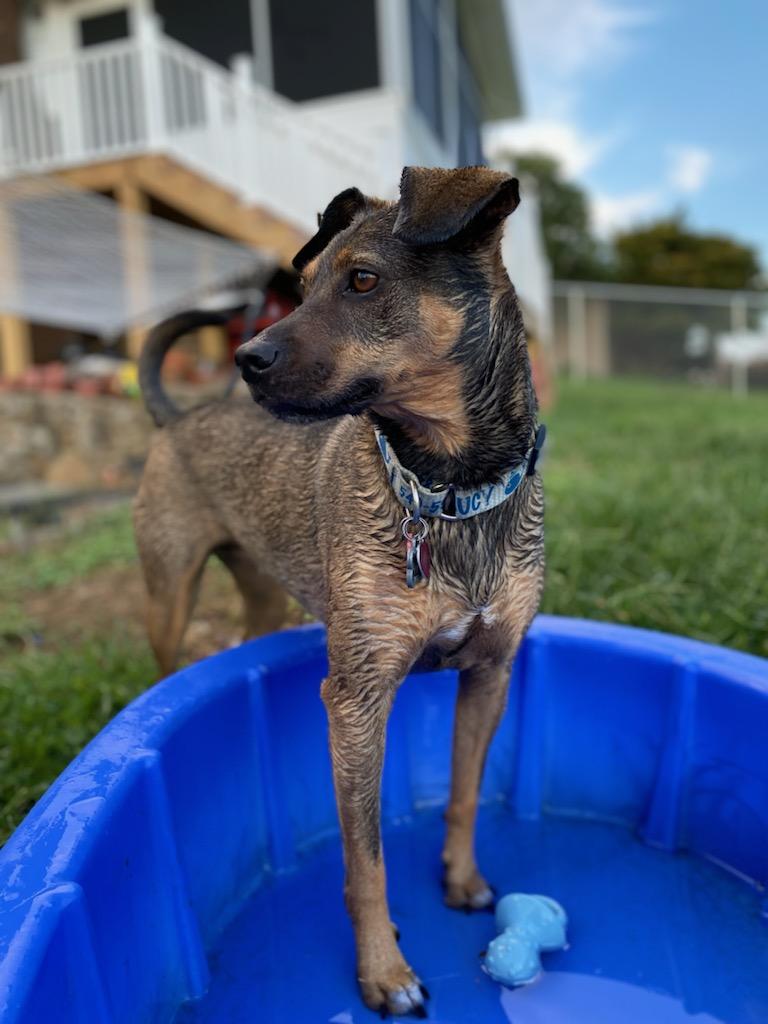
{"x":71,"y":440}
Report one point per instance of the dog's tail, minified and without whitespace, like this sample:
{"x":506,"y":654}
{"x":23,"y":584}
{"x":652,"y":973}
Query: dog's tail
{"x":159,"y":404}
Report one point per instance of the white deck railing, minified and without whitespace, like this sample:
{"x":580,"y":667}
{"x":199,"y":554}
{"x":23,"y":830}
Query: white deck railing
{"x":150,"y":94}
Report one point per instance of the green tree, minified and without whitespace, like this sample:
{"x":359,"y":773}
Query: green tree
{"x":572,"y":249}
{"x":668,"y":252}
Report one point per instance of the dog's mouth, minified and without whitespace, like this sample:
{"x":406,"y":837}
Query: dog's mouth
{"x":353,"y":401}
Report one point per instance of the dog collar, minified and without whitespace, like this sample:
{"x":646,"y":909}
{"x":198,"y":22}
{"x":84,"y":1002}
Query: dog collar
{"x":428,"y":501}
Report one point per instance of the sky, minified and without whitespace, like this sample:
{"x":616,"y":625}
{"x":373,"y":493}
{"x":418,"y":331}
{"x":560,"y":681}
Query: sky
{"x":651,"y":105}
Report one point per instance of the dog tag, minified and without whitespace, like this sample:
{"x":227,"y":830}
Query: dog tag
{"x":424,"y":558}
{"x":412,"y":567}
{"x":418,"y":561}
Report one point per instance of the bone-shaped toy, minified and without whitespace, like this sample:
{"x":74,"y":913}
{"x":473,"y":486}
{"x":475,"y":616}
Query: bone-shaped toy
{"x":528,"y":926}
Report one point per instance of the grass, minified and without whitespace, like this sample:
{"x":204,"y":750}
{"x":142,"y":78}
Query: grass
{"x":55,"y":698}
{"x":51,"y":704}
{"x":657,"y":515}
{"x":657,"y":510}
{"x":107,"y":540}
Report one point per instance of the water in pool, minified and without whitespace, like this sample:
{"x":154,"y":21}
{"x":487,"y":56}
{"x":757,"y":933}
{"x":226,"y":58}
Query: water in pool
{"x":654,"y":938}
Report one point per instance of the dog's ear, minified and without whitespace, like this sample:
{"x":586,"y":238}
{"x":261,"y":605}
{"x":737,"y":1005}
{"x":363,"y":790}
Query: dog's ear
{"x":437,"y":204}
{"x":339,"y":214}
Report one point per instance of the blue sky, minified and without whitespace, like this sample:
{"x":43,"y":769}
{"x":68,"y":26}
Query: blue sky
{"x":651,"y":106}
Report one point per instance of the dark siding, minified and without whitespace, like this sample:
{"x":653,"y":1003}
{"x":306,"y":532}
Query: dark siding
{"x":425,"y":63}
{"x":321,"y":49}
{"x":470,"y":141}
{"x":218,"y":30}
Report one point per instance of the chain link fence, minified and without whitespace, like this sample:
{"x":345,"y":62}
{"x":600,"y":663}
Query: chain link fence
{"x":702,"y":335}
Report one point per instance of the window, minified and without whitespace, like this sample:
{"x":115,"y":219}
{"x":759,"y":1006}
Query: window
{"x":104,"y":28}
{"x":217,"y":30}
{"x":425,"y":62}
{"x":322,"y":49}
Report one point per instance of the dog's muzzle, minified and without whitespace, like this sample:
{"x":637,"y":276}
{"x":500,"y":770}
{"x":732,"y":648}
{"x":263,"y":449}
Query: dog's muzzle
{"x":256,"y":358}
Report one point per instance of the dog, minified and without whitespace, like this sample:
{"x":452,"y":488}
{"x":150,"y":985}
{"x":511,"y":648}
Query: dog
{"x":408,"y":515}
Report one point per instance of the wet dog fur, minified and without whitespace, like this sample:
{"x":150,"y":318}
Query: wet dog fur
{"x":409,"y":322}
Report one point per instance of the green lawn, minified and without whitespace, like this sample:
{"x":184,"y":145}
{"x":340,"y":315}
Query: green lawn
{"x":657,"y":515}
{"x":657,"y":510}
{"x":56,"y":692}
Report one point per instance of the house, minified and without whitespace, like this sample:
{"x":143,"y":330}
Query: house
{"x":246,"y":121}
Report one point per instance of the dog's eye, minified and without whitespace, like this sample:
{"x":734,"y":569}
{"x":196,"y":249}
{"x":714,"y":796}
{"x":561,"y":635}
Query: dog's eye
{"x":363,"y":281}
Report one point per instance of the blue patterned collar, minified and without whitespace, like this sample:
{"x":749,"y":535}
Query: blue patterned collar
{"x":430,"y":502}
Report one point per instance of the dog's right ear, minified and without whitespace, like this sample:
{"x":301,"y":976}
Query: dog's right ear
{"x":437,"y":204}
{"x":339,"y":214}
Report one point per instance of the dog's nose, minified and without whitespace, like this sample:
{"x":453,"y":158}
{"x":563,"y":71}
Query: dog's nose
{"x":255,"y":357}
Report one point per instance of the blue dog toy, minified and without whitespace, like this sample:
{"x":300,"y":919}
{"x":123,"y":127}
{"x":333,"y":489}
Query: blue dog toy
{"x":528,"y":926}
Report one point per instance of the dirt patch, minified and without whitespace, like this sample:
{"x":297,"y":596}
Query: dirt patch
{"x":111,"y":600}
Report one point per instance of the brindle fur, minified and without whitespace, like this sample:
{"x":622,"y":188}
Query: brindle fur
{"x":435,"y":355}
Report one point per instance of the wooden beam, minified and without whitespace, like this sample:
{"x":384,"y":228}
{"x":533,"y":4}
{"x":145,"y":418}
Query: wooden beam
{"x":15,"y":346}
{"x":132,"y":200}
{"x":194,"y":195}
{"x":15,"y":342}
{"x":212,"y":344}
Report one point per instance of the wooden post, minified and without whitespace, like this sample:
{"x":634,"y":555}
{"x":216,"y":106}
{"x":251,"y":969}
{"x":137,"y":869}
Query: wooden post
{"x":210,"y":340}
{"x":578,"y":355}
{"x":15,"y":345}
{"x":739,"y":379}
{"x":15,"y":342}
{"x":739,"y":324}
{"x":212,"y":344}
{"x":739,"y":313}
{"x":599,"y":350}
{"x":133,"y":201}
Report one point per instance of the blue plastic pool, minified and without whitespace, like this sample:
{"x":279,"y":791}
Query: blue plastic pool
{"x":186,"y":867}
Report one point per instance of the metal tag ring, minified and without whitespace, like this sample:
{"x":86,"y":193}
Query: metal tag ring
{"x":421,"y":524}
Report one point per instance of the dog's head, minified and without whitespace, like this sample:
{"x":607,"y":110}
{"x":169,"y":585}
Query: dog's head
{"x":391,"y":293}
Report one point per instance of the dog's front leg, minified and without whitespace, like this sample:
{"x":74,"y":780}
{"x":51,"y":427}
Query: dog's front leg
{"x":358,"y":707}
{"x":480,"y":703}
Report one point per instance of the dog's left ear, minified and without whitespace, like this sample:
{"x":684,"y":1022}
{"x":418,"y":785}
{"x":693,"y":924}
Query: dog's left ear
{"x":437,"y":204}
{"x":339,"y":214}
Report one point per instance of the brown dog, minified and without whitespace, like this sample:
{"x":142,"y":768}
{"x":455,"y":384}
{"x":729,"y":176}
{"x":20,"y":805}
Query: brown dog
{"x":409,"y":325}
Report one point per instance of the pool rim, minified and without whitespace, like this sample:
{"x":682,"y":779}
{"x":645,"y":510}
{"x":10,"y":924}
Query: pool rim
{"x":54,"y":838}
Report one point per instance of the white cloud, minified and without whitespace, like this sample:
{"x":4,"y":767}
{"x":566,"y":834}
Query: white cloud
{"x":561,"y":45}
{"x":575,"y":152}
{"x":687,"y":172}
{"x":559,"y":41}
{"x":574,"y":36}
{"x":689,"y":167}
{"x":612,"y":213}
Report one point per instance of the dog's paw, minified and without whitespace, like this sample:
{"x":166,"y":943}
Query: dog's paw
{"x":396,"y":992}
{"x":472,"y":893}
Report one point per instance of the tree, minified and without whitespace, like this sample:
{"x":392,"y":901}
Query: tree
{"x":573,"y":251}
{"x":665,"y":252}
{"x":668,"y":252}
